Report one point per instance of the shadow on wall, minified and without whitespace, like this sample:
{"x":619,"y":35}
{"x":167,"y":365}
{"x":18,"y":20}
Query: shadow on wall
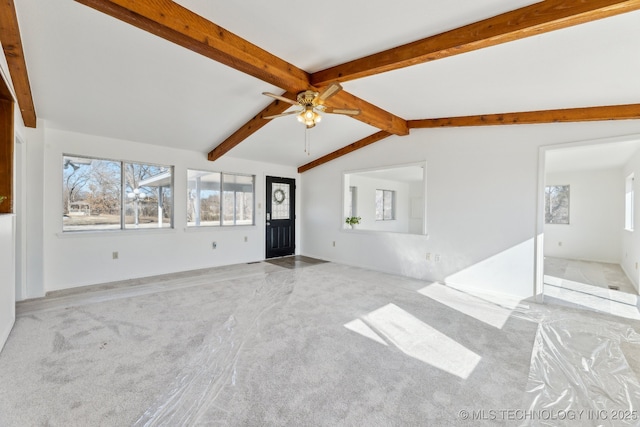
{"x":510,"y":271}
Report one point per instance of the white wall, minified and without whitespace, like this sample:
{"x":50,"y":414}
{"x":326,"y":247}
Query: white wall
{"x":65,"y":260}
{"x":482,"y":204}
{"x":7,"y":278}
{"x":630,"y":248}
{"x":596,"y":216}
{"x":416,"y":213}
{"x":33,"y":241}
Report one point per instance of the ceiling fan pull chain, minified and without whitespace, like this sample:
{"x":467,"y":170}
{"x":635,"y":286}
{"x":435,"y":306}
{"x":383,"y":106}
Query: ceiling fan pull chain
{"x":307,"y":141}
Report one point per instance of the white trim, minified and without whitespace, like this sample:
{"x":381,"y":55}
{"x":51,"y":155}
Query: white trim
{"x":113,"y":233}
{"x":539,"y":241}
{"x":632,"y":278}
{"x":345,"y":188}
{"x":20,"y":208}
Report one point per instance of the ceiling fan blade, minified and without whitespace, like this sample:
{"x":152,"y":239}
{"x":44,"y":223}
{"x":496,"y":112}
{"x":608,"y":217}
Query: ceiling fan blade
{"x":288,"y":113}
{"x":329,"y":91}
{"x":345,"y":111}
{"x":281,"y":98}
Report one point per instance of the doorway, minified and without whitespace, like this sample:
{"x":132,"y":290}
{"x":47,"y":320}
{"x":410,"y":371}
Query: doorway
{"x":280,"y":217}
{"x":589,"y":252}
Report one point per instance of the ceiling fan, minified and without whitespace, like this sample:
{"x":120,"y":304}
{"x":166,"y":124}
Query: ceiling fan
{"x":312,"y":105}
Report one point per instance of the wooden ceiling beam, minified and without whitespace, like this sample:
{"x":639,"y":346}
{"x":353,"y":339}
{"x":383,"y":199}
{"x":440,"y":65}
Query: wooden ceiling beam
{"x":585,"y":114}
{"x":172,"y":22}
{"x":345,"y":150}
{"x":177,"y":24}
{"x":13,"y":51}
{"x":251,"y":127}
{"x":542,"y":17}
{"x":369,"y":113}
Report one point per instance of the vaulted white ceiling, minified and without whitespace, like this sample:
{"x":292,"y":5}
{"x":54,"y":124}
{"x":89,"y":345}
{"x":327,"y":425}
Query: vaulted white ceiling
{"x":94,"y":74}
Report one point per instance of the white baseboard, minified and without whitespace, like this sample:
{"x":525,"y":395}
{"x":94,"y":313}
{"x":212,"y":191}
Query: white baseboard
{"x":632,"y":279}
{"x":4,"y":335}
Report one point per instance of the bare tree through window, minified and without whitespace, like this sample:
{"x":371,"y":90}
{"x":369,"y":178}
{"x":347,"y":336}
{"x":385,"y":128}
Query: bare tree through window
{"x":101,"y":194}
{"x":556,"y":204}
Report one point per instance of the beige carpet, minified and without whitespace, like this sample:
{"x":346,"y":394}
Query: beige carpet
{"x":324,"y":345}
{"x":594,"y":286}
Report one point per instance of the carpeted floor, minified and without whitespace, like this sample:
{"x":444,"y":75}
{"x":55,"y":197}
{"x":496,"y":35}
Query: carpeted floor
{"x":595,"y":286}
{"x":324,"y":345}
{"x":599,"y":274}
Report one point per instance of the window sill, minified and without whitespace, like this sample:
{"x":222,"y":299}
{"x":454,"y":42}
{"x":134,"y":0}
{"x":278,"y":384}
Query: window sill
{"x":369,"y":231}
{"x":218,"y":228}
{"x":114,"y":233}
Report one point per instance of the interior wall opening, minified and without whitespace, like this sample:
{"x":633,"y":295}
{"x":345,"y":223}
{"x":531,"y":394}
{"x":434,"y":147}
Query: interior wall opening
{"x":591,"y":253}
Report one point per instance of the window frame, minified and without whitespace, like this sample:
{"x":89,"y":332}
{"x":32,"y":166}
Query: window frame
{"x":547,"y":204}
{"x":393,"y":204}
{"x":221,"y":191}
{"x":629,"y":202}
{"x":353,"y":200}
{"x":123,"y":195}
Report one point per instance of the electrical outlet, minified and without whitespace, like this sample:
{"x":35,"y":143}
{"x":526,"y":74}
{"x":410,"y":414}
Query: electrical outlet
{"x":246,"y":239}
{"x":214,"y":245}
{"x":334,"y":243}
{"x":428,"y":256}
{"x":114,"y":255}
{"x":437,"y":257}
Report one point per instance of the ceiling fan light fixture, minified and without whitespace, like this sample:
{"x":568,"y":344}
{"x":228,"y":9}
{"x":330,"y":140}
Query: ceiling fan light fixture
{"x":312,"y":105}
{"x":309,"y":117}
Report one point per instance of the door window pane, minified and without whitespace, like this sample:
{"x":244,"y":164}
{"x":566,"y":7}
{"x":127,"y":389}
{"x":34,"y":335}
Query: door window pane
{"x":280,"y":201}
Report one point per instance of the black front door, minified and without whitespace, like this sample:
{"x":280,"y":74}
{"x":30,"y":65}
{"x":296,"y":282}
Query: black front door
{"x":281,"y":218}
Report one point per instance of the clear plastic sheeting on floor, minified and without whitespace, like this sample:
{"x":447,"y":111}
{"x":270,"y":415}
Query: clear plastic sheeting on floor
{"x":325,"y":345}
{"x":197,"y":385}
{"x":584,"y":371}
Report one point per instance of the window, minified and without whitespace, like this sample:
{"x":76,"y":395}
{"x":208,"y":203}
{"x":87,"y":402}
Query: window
{"x":556,"y":204}
{"x":103,"y":194}
{"x":628,"y":203}
{"x":352,"y":207}
{"x":219,"y":199}
{"x":385,"y":205}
